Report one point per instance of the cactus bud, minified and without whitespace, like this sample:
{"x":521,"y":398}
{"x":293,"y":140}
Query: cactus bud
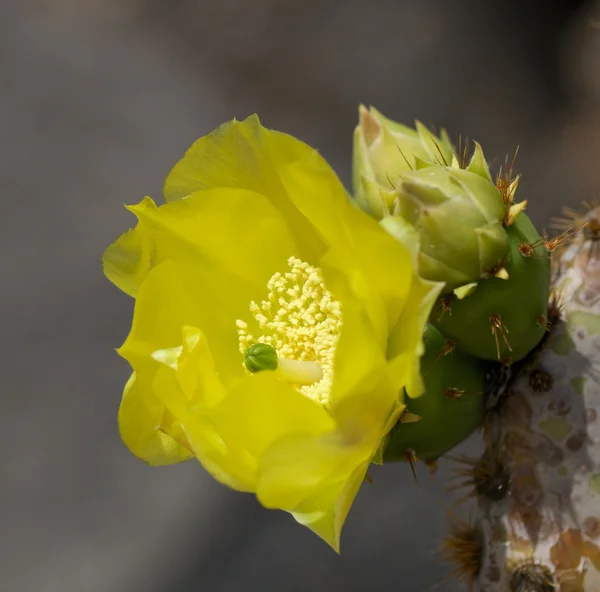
{"x":451,"y":408}
{"x":260,"y":356}
{"x":459,"y":216}
{"x":383,"y":151}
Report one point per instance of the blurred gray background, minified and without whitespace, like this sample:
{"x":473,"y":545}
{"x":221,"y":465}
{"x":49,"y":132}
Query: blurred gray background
{"x":98,"y":99}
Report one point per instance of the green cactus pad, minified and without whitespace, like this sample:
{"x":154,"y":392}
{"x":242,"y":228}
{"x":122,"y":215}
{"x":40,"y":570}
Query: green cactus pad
{"x":446,"y":420}
{"x":503,"y":319}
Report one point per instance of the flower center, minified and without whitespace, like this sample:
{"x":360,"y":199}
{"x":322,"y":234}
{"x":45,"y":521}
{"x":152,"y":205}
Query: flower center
{"x":302,"y":322}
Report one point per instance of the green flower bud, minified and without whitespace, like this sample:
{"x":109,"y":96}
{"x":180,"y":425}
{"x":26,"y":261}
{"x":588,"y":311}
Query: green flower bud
{"x":383,"y":151}
{"x":459,"y":217}
{"x":451,"y":408}
{"x":503,"y":319}
{"x":260,"y":356}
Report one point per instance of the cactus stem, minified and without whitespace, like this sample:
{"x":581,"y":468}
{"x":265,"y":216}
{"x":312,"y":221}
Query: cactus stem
{"x":499,"y":328}
{"x":463,"y":548}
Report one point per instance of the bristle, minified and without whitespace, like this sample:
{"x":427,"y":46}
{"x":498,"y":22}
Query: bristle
{"x":499,"y":328}
{"x":463,"y":548}
{"x":573,"y":217}
{"x":412,"y":459}
{"x":389,"y":180}
{"x":565,"y":237}
{"x":462,"y":152}
{"x":405,"y":159}
{"x":553,"y":316}
{"x":445,"y":305}
{"x":443,"y":161}
{"x":556,"y":307}
{"x":505,"y":178}
{"x":530,"y":576}
{"x":447,"y":349}
{"x":485,"y":476}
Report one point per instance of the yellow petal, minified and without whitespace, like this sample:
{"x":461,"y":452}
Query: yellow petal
{"x":188,"y":386}
{"x":312,"y":186}
{"x":386,"y":261}
{"x":295,"y":468}
{"x":233,"y":155}
{"x":227,"y":462}
{"x":162,"y":307}
{"x":332,"y":507}
{"x":245,"y":155}
{"x":127,"y":261}
{"x":362,"y":392}
{"x":405,"y":345}
{"x":260,"y":409}
{"x":144,"y":422}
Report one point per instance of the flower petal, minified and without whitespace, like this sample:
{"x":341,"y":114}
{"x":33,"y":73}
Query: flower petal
{"x":127,"y":261}
{"x":362,"y":393}
{"x":406,"y":338}
{"x":162,"y":307}
{"x":331,"y":508}
{"x":144,"y":422}
{"x":316,"y":479}
{"x":245,"y":155}
{"x":261,"y":408}
{"x":227,"y":462}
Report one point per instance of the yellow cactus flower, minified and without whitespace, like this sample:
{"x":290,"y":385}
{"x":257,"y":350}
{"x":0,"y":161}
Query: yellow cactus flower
{"x":275,"y":325}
